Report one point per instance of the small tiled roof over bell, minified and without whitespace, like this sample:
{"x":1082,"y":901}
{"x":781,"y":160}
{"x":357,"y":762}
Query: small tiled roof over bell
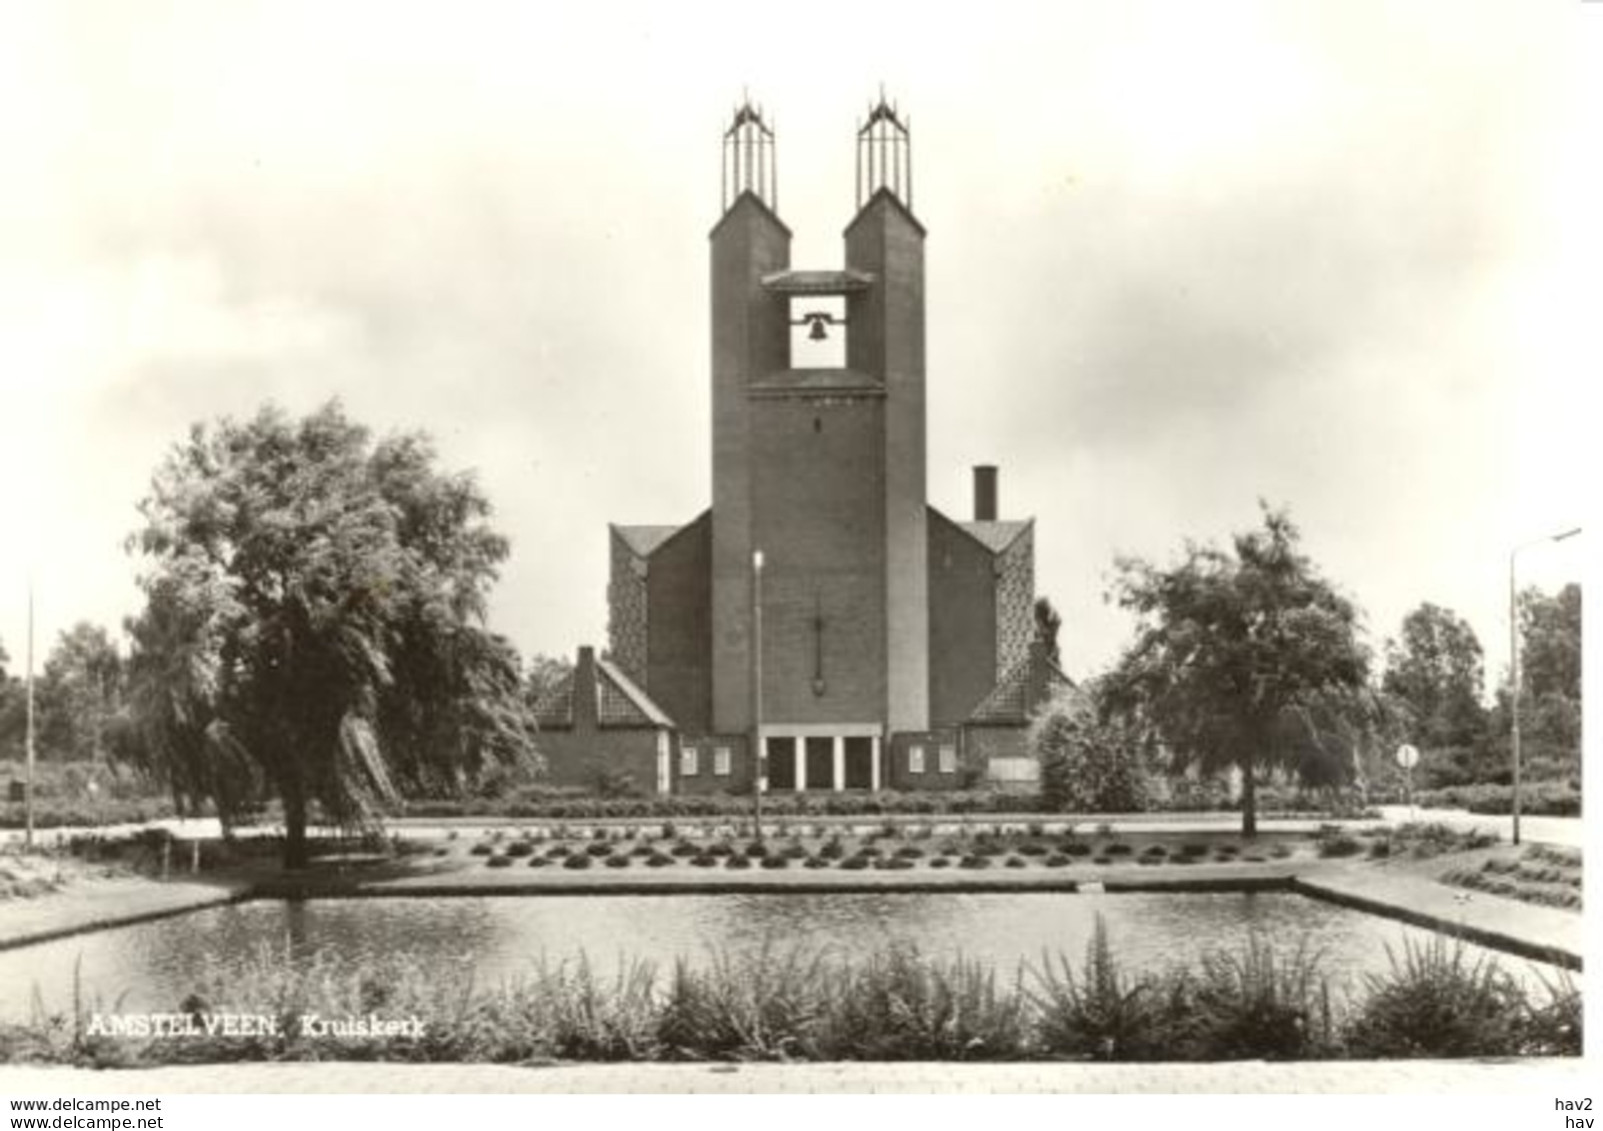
{"x":1021,"y":691}
{"x":619,"y":701}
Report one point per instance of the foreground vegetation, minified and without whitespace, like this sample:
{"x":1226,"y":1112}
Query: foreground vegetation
{"x":1255,"y":1002}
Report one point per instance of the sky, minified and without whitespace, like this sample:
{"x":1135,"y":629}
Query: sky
{"x":1182,"y":256}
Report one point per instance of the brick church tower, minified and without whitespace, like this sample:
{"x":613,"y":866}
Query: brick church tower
{"x":821,"y":608}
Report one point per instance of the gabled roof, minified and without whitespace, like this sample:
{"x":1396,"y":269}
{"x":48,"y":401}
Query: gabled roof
{"x":619,"y":702}
{"x":623,"y":703}
{"x":1020,"y":691}
{"x":643,"y":540}
{"x":995,"y":536}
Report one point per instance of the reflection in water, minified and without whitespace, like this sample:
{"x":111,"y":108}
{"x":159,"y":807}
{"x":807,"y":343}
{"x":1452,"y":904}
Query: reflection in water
{"x":154,"y":965}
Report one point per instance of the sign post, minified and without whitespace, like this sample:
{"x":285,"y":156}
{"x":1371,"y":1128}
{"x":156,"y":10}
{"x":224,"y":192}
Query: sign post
{"x":1408,"y":758}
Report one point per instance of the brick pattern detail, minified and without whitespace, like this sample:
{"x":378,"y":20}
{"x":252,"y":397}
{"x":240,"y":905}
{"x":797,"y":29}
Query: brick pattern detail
{"x":1015,"y":601}
{"x":626,"y":610}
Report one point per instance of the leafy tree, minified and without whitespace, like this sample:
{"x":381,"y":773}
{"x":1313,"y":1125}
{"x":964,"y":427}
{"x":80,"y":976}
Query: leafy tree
{"x":543,"y":674}
{"x":1241,"y":659}
{"x":314,"y":622}
{"x":80,"y":693}
{"x":1436,"y":668}
{"x":1434,"y":671}
{"x":1089,"y":764}
{"x":1550,"y":685}
{"x":1048,"y":622}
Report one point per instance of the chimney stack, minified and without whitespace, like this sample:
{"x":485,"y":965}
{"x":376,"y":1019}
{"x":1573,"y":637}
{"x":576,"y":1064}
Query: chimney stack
{"x":985,"y":492}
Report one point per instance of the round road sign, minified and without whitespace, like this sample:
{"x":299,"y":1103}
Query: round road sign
{"x":1407,"y":756}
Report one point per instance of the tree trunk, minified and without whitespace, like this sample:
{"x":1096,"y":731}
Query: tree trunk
{"x":1249,"y":801}
{"x":294,"y":798}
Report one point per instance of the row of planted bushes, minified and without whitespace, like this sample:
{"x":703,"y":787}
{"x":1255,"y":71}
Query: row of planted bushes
{"x":1537,"y":799}
{"x":560,"y":805}
{"x":980,"y":852}
{"x":1254,"y":1003}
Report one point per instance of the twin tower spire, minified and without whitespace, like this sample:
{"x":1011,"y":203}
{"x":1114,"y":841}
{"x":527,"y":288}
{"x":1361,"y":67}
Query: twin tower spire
{"x":884,"y":156}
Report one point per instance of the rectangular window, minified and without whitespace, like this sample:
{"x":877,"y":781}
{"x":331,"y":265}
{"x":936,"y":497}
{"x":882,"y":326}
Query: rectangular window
{"x":948,"y":758}
{"x":720,"y":761}
{"x":915,"y":759}
{"x":687,"y":761}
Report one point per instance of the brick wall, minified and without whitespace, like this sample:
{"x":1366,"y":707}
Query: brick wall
{"x":679,"y":640}
{"x":818,"y":514}
{"x":962,"y":621}
{"x":898,"y":773}
{"x":706,"y":779}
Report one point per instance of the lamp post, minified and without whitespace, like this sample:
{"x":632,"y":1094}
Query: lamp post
{"x":28,"y":740}
{"x":759,"y":760}
{"x":1514,"y":664}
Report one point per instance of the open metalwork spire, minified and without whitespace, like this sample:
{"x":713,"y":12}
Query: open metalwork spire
{"x":885,"y":153}
{"x":750,"y":160}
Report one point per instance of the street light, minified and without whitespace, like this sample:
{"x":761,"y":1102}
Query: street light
{"x":758,"y":761}
{"x":1514,"y":663}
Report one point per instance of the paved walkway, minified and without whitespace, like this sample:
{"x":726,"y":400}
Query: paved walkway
{"x":1545,"y":934}
{"x":90,"y":905}
{"x":1543,"y":1077}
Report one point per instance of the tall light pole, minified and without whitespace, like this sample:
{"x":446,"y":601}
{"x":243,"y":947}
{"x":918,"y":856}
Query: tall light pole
{"x":1514,"y":663}
{"x":758,"y":761}
{"x":28,"y":740}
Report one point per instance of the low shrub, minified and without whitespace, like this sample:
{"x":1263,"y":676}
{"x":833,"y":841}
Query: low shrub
{"x":1033,"y":848}
{"x":1056,"y":860}
{"x":558,"y":851}
{"x":598,"y":848}
{"x":1103,"y":860}
{"x":776,"y":861}
{"x":1076,"y":848}
{"x":1118,"y":849}
{"x":577,"y":861}
{"x":619,"y":861}
{"x":683,"y":848}
{"x":499,"y":860}
{"x":1014,"y":862}
{"x":1154,"y":852}
{"x":815,"y":862}
{"x":1339,"y":844}
{"x":519,"y":848}
{"x":659,"y":860}
{"x":1436,"y":1002}
{"x":974,"y":860}
{"x":756,"y":850}
{"x":794,"y":851}
{"x":898,"y":863}
{"x":480,"y":849}
{"x":737,"y":862}
{"x":539,"y":862}
{"x":910,"y":852}
{"x":941,"y":862}
{"x":704,"y":860}
{"x":855,"y":863}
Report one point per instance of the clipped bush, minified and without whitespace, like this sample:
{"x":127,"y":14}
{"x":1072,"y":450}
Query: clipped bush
{"x":974,"y":860}
{"x":519,"y":848}
{"x":941,"y":862}
{"x":777,"y":860}
{"x":1056,"y":860}
{"x":499,"y":861}
{"x":480,"y":849}
{"x":539,"y":862}
{"x":659,"y":860}
{"x":598,"y":848}
{"x":619,"y":861}
{"x":737,"y":862}
{"x":577,"y":861}
{"x":815,"y":862}
{"x":855,"y":863}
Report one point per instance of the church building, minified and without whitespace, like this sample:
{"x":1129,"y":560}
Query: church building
{"x":820,"y":611}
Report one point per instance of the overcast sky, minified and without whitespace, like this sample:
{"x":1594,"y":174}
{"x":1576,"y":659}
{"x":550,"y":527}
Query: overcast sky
{"x":1181,"y":255}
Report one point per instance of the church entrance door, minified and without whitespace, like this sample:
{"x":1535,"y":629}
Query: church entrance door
{"x":859,"y":763}
{"x":820,"y":763}
{"x":781,"y":764}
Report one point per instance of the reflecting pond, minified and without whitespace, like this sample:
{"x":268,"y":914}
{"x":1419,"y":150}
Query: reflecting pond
{"x":152,"y":966}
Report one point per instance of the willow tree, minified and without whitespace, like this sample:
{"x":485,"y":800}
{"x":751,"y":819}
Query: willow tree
{"x":1248,"y":659}
{"x":314,"y":622}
